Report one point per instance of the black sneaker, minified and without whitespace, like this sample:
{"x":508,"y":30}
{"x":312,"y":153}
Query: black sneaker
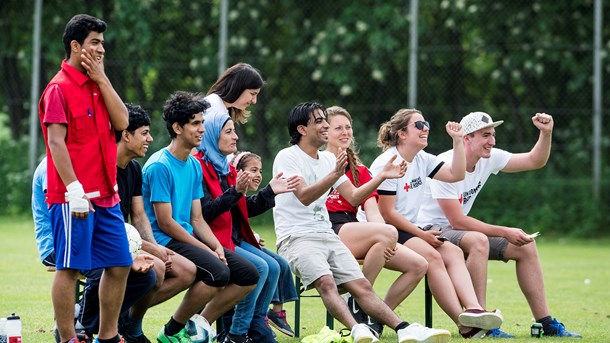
{"x":355,"y":310}
{"x":125,"y":326}
{"x":375,"y":326}
{"x":238,"y":339}
{"x":135,"y":339}
{"x":82,"y":335}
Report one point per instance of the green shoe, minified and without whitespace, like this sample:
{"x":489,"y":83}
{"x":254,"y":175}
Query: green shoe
{"x":181,"y":337}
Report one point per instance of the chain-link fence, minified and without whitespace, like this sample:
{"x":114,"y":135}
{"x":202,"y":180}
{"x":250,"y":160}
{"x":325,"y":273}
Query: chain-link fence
{"x":510,"y":59}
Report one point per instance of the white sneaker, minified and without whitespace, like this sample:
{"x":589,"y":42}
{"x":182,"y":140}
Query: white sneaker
{"x":362,"y":334}
{"x":419,"y":333}
{"x":481,"y":319}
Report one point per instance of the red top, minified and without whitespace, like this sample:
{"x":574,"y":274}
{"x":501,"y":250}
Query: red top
{"x":336,"y":203}
{"x":222,"y":226}
{"x":73,"y":99}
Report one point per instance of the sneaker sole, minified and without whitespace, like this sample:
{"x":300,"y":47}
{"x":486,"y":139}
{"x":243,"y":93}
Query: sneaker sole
{"x":366,"y":340}
{"x":278,"y":328}
{"x":486,"y":321}
{"x":480,"y":334}
{"x":437,"y":338}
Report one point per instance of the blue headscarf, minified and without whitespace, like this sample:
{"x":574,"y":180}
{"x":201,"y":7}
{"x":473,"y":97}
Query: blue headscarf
{"x":213,"y":124}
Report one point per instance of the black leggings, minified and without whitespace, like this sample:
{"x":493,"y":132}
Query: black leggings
{"x":212,"y":271}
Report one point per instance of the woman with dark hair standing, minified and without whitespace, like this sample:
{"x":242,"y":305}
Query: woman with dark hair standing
{"x":235,"y":90}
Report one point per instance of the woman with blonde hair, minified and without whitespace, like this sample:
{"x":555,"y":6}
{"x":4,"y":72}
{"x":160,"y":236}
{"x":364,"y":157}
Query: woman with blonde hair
{"x":373,"y":241}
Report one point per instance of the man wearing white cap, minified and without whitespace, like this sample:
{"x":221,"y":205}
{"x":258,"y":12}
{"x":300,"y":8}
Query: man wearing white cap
{"x":447,"y":205}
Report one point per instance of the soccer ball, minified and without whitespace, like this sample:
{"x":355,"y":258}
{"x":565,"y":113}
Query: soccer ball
{"x":134,"y":239}
{"x":199,"y":329}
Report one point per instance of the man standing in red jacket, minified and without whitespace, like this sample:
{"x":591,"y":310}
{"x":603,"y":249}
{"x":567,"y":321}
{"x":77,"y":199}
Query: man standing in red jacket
{"x":79,"y":111}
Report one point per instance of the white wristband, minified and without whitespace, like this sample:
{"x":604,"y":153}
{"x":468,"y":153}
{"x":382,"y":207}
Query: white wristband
{"x":75,"y":190}
{"x":75,"y":196}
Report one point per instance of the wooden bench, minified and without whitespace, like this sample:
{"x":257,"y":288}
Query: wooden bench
{"x":330,"y":321}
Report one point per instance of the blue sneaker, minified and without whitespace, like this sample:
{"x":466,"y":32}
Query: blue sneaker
{"x":557,"y":329}
{"x":497,"y":333}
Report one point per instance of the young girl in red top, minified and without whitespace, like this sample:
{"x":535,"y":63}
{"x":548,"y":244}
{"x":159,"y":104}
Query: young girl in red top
{"x":285,"y":291}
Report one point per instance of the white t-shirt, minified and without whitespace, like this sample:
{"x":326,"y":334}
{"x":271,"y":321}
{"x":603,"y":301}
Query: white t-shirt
{"x":216,"y":105}
{"x":289,"y":214}
{"x":409,"y":189}
{"x":466,"y":190}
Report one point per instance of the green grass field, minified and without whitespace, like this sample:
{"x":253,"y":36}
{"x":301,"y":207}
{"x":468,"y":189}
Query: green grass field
{"x":584,"y":308}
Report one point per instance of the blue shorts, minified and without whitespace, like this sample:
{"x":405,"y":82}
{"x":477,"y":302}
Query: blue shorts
{"x":98,"y":241}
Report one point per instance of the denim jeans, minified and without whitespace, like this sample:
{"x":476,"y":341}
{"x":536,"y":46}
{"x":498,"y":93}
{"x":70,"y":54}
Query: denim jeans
{"x":285,"y":290}
{"x":256,"y":304}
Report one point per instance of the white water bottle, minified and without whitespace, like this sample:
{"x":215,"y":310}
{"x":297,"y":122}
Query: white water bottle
{"x":13,"y":329}
{"x":3,"y":330}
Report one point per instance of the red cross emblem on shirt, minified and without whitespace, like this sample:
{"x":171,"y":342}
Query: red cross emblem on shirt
{"x":406,"y":187}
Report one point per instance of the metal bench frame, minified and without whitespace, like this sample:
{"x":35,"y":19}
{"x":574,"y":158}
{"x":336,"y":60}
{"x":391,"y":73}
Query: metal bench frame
{"x":330,"y":321}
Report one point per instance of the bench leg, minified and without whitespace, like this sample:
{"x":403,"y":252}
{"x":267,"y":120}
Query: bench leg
{"x":297,"y":308}
{"x":428,"y":303}
{"x":330,"y":320}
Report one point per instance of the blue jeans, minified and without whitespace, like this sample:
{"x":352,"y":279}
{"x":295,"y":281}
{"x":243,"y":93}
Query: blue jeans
{"x":256,"y":304}
{"x":285,"y":290}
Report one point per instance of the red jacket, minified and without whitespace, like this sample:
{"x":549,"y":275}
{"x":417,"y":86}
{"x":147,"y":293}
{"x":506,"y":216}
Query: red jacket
{"x":90,"y":137}
{"x":222,"y":226}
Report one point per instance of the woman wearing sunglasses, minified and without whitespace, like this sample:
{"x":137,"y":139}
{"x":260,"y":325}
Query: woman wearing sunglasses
{"x":406,"y":134}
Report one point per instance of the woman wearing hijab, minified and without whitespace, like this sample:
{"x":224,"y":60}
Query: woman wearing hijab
{"x":226,"y":209}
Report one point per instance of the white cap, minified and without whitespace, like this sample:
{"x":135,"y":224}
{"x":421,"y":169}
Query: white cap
{"x":475,"y":121}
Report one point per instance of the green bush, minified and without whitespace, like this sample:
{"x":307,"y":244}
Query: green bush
{"x":15,"y":180}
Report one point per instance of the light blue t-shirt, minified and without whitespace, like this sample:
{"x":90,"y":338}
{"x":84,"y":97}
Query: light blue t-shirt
{"x":40,"y":211}
{"x":168,"y":179}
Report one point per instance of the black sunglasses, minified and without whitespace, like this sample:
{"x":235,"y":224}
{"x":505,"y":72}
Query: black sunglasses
{"x":420,"y":124}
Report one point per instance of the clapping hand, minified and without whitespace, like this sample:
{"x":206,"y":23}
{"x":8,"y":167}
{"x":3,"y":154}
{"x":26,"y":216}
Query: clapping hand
{"x":341,"y":162}
{"x":242,"y":182}
{"x":281,"y":184}
{"x":394,"y":171}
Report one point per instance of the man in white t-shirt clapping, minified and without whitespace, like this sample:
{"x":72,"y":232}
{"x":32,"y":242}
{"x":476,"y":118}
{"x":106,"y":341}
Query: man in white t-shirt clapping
{"x":446,"y":205}
{"x":304,"y":234}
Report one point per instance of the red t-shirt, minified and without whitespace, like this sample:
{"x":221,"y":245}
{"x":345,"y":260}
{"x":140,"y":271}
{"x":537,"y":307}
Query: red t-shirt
{"x":74,"y":100}
{"x":336,"y":203}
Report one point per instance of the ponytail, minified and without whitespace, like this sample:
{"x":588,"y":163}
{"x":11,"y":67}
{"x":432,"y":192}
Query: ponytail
{"x":384,"y":137}
{"x":388,"y":132}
